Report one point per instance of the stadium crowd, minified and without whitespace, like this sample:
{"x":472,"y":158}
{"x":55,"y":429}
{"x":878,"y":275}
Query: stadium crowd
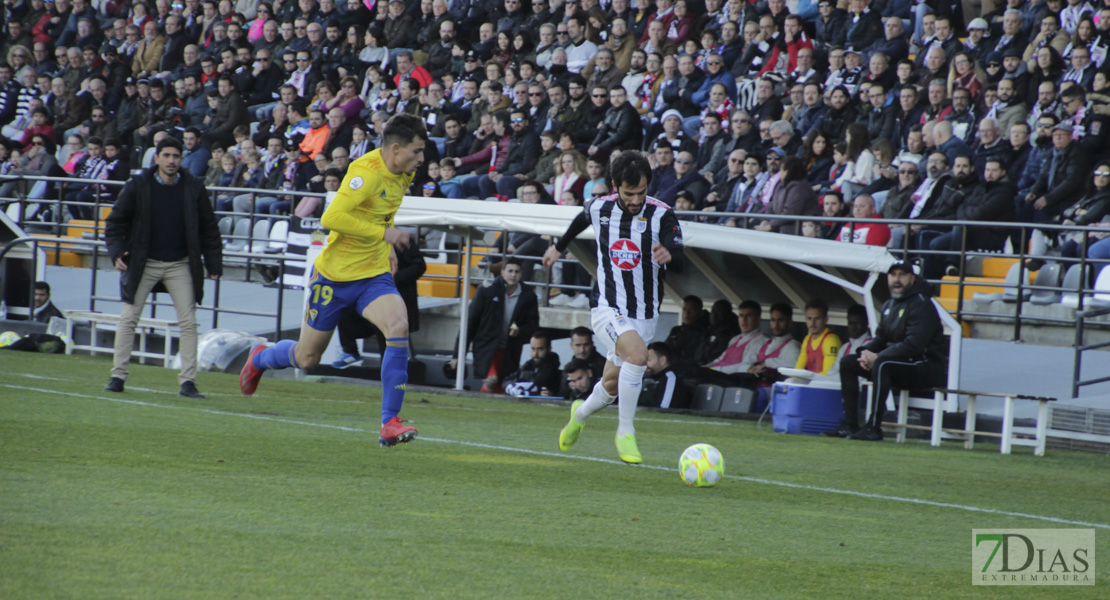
{"x":878,"y":109}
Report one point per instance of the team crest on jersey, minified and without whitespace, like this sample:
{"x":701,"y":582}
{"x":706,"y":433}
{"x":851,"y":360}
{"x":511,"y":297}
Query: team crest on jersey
{"x":312,"y":312}
{"x":356,"y":183}
{"x":625,"y":254}
{"x":639,"y":225}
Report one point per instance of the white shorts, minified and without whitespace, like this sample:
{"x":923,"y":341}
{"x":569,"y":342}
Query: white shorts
{"x":608,"y":325}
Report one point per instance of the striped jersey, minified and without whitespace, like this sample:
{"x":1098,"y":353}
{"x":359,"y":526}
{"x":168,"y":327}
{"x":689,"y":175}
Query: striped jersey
{"x":629,"y":281}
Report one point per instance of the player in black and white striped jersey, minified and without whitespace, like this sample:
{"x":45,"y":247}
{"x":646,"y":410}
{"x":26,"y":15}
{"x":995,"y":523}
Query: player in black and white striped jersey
{"x":639,"y":241}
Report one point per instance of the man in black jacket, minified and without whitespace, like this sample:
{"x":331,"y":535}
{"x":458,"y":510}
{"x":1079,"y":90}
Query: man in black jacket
{"x":540,"y":375}
{"x":161,"y":234}
{"x":1063,"y":177}
{"x":991,"y":200}
{"x":502,"y":315}
{"x":662,"y":388}
{"x":907,"y":353}
{"x":44,"y":308}
{"x":524,"y":150}
{"x":621,"y":127}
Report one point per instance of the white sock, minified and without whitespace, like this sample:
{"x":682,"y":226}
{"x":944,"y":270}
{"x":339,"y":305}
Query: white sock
{"x":629,"y":384}
{"x":597,"y":400}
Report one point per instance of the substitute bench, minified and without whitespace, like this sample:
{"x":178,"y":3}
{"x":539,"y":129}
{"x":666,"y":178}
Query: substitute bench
{"x":143,"y":328}
{"x":941,"y":402}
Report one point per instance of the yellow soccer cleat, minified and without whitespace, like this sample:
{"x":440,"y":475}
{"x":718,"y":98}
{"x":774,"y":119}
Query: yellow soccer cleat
{"x":570,"y":433}
{"x":627,"y":450}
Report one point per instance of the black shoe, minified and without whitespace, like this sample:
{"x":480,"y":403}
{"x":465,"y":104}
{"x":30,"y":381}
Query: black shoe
{"x":1034,"y":264}
{"x":844,"y":431}
{"x":868,"y":434}
{"x":189,"y":390}
{"x":115,"y":384}
{"x":952,"y":271}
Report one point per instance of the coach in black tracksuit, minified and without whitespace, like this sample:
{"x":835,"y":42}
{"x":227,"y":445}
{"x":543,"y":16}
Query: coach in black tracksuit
{"x":907,"y":352}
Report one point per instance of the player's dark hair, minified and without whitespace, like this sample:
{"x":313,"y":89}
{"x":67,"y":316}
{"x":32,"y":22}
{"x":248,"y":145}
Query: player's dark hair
{"x":42,"y":285}
{"x":169,"y":142}
{"x":819,"y":304}
{"x":751,"y":304}
{"x":661,"y":348}
{"x":404,"y":129}
{"x":577,"y":364}
{"x":630,"y":168}
{"x":582,"y":332}
{"x":857,"y":310}
{"x":540,"y":334}
{"x":1074,"y":92}
{"x":512,"y":260}
{"x":95,"y":141}
{"x":695,"y":299}
{"x":784,"y":308}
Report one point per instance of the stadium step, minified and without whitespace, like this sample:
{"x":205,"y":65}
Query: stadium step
{"x":950,"y":287}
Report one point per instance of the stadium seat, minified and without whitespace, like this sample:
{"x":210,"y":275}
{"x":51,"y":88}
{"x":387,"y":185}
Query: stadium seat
{"x":260,"y":237}
{"x":1102,"y":286}
{"x":1010,"y":294}
{"x":240,"y":232}
{"x":1072,"y":278}
{"x":1010,"y":283}
{"x":226,"y":224}
{"x":1048,"y":276}
{"x":737,"y":400}
{"x":708,"y":397}
{"x":279,"y":233}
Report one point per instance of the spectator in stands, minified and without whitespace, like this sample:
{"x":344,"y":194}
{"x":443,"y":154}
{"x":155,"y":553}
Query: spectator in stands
{"x":621,"y":127}
{"x":1090,"y":129}
{"x":580,"y":380}
{"x":793,"y":196}
{"x":665,"y":391}
{"x":539,"y":375}
{"x":899,"y":200}
{"x":991,"y":200}
{"x":686,"y":178}
{"x":1062,"y":178}
{"x":867,"y":230}
{"x":907,"y":353}
{"x":820,"y":346}
{"x":1091,"y":209}
{"x":177,"y":261}
{"x":502,"y":315}
{"x":44,"y":309}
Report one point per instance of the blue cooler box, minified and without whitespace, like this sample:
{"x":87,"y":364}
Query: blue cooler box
{"x":806,"y":408}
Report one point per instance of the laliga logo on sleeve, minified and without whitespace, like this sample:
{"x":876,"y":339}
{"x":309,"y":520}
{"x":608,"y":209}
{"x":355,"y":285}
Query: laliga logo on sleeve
{"x":356,"y":183}
{"x":625,"y":254}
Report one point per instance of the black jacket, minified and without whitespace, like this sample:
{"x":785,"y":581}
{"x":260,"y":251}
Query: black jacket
{"x":621,"y":128}
{"x":989,"y":201}
{"x":127,"y":229}
{"x":665,"y":388}
{"x":533,"y":376}
{"x":1072,"y":173}
{"x":485,"y":320}
{"x":909,"y":328}
{"x":524,"y":151}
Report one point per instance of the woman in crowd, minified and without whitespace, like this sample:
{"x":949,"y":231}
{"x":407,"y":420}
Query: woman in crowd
{"x":967,"y":74}
{"x":1049,"y":66}
{"x":817,"y":157}
{"x":792,"y":197}
{"x":347,"y":100}
{"x":860,"y":170}
{"x":572,"y":175}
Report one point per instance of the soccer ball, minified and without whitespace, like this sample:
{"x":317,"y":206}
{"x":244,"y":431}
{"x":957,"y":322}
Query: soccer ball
{"x":701,"y":465}
{"x":8,"y":338}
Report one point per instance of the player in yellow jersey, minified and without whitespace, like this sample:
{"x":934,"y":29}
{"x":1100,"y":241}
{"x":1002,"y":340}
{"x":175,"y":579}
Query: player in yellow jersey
{"x":821,"y":346}
{"x":355,"y":271}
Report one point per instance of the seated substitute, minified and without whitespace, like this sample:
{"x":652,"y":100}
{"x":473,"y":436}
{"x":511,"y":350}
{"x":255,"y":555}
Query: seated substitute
{"x":907,"y":352}
{"x":539,"y":375}
{"x":662,"y":387}
{"x":820,"y":347}
{"x":580,"y":379}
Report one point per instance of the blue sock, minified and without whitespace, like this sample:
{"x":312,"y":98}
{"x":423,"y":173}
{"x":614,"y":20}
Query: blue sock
{"x":281,"y":355}
{"x":395,"y":374}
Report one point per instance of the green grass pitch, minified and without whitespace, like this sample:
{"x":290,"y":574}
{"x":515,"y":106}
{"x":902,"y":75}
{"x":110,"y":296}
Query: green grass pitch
{"x":287,"y":495}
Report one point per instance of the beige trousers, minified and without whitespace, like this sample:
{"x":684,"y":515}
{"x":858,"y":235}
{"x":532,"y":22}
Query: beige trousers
{"x":177,"y":279}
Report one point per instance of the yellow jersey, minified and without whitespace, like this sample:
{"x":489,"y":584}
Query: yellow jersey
{"x":363,"y":208}
{"x":819,"y":353}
